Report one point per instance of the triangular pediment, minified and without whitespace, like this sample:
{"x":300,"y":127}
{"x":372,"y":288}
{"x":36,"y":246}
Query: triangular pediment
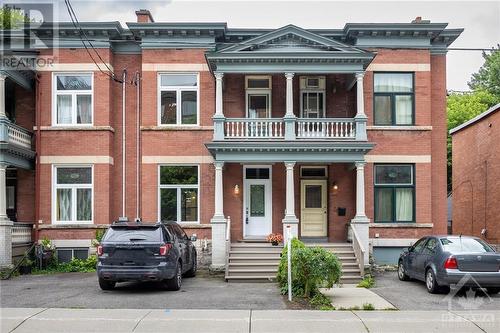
{"x":290,"y":38}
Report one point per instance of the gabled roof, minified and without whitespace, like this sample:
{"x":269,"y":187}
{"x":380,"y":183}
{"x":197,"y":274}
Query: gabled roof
{"x":477,"y":118}
{"x":290,"y":38}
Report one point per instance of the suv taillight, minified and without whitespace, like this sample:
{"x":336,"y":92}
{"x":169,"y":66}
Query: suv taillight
{"x":164,"y":249}
{"x":451,"y":263}
{"x":99,"y":250}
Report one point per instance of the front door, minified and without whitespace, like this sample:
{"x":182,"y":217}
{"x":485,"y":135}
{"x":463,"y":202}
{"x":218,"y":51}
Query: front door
{"x":257,"y":207}
{"x":313,"y":208}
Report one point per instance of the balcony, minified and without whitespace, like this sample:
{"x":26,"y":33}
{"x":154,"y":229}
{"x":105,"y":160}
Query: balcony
{"x":286,"y":129}
{"x":15,"y":145}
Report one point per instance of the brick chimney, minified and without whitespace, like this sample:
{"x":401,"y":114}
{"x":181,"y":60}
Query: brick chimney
{"x":418,"y":19}
{"x":144,"y":16}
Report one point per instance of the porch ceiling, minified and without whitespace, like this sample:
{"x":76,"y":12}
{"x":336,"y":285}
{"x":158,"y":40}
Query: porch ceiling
{"x":340,"y":152}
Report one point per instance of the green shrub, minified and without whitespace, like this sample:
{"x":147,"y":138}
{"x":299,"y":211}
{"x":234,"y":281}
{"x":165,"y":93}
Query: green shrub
{"x":312,"y":268}
{"x":321,"y":301}
{"x":368,"y":306}
{"x":367,"y":282}
{"x":75,"y":265}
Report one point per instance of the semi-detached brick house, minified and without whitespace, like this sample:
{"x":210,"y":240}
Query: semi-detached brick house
{"x":337,"y":133}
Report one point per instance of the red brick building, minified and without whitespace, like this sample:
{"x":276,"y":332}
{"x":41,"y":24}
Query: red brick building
{"x":476,"y":190}
{"x":337,"y":133}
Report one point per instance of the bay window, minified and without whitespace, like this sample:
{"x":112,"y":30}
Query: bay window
{"x":178,"y":94}
{"x":73,"y":99}
{"x":393,"y":99}
{"x":394,"y":193}
{"x":73,"y":194}
{"x":178,"y":193}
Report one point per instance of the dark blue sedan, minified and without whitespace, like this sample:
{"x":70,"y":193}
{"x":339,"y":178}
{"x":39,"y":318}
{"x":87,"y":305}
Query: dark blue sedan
{"x":441,"y":261}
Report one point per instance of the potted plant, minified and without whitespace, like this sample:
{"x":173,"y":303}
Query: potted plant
{"x":26,"y":266}
{"x":47,"y":251}
{"x":275,"y":239}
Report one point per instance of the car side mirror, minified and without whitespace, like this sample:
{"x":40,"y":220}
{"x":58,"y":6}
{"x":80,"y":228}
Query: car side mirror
{"x":410,"y":249}
{"x":193,"y":238}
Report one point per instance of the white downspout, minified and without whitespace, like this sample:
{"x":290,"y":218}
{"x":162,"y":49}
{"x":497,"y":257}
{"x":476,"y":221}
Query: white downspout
{"x":124,"y":79}
{"x":138,"y":141}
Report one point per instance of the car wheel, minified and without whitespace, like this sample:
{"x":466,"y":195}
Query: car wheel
{"x":106,"y":284}
{"x":175,"y":282}
{"x":402,"y":272}
{"x":493,"y":290}
{"x":194,"y":267}
{"x":430,"y":282}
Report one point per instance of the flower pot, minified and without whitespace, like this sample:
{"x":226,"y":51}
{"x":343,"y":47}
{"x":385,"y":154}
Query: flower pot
{"x":275,"y":243}
{"x":23,"y":270}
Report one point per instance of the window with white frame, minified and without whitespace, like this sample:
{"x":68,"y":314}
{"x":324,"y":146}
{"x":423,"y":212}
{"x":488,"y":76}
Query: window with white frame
{"x":73,"y":99}
{"x":178,"y":99}
{"x":178,"y":193}
{"x":73,"y":194}
{"x":258,"y":96}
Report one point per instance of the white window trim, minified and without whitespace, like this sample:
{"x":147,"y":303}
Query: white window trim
{"x":73,"y":197}
{"x":178,"y":90}
{"x":73,"y":93}
{"x":179,"y":187}
{"x":259,"y":91}
{"x":412,"y":167}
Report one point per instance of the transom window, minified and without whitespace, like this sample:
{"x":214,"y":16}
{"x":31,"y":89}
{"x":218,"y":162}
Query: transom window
{"x":73,"y":197}
{"x":258,"y":96}
{"x":178,"y":99}
{"x":178,"y":193}
{"x":394,"y":193}
{"x":393,"y":99}
{"x":73,"y":99}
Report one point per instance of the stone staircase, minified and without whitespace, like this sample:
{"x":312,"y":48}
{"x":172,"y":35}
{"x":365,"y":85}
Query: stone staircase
{"x":258,"y":262}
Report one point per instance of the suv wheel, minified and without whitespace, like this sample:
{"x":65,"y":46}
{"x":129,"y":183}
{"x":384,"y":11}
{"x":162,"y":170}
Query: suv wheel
{"x":402,"y":272}
{"x":176,"y":282}
{"x":194,"y":267}
{"x":106,"y":284}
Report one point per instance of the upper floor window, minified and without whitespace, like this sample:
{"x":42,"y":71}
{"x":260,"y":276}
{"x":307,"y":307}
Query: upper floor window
{"x":73,"y":99}
{"x":258,"y":96}
{"x":394,"y":193}
{"x":178,"y":99}
{"x":72,"y":200}
{"x":393,"y":99}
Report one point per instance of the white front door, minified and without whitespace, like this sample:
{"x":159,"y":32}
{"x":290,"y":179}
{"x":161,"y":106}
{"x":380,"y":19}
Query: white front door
{"x":313,"y":208}
{"x":257,"y":208}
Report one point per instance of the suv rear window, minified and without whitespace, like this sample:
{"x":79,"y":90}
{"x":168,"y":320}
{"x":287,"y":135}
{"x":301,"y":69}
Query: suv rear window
{"x":464,"y":245}
{"x":127,"y":234}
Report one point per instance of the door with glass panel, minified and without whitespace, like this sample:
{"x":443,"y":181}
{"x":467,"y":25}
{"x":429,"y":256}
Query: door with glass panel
{"x":313,"y":104}
{"x":257,"y":208}
{"x":313,"y":219}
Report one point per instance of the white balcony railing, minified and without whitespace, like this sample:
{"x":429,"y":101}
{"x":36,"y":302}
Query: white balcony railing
{"x":14,"y":134}
{"x":21,"y":233}
{"x":328,"y":128}
{"x":260,"y":128}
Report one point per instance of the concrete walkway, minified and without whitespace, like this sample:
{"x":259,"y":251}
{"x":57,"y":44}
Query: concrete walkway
{"x":349,"y":297}
{"x":42,"y":320}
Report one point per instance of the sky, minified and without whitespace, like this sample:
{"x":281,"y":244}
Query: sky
{"x":480,"y":19}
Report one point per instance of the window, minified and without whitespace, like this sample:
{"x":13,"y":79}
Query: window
{"x":312,"y":96}
{"x":394,"y":193}
{"x":178,"y":99}
{"x":419,"y":245}
{"x":313,"y":172}
{"x":393,"y":99}
{"x":72,"y":99}
{"x":73,"y":197}
{"x":179,"y":187}
{"x":67,"y":254}
{"x":258,"y":94}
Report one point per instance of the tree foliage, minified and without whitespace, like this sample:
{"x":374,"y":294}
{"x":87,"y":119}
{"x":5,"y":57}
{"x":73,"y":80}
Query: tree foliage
{"x":11,"y":18}
{"x":488,"y":76}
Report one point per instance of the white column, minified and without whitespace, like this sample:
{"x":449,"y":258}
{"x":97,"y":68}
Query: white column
{"x":360,"y":222}
{"x":361,"y":118}
{"x":289,"y":94}
{"x":5,"y":223}
{"x":2,"y":95}
{"x":218,"y":94}
{"x":290,"y":218}
{"x":218,"y":222}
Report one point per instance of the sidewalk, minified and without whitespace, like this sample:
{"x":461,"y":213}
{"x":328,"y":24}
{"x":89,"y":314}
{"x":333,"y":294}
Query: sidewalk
{"x":115,"y":320}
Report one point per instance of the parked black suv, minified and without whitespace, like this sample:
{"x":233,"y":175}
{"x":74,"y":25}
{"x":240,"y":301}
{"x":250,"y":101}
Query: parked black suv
{"x":145,"y":252}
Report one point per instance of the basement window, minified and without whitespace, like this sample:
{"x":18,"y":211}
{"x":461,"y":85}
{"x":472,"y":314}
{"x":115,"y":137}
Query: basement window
{"x":67,"y":254}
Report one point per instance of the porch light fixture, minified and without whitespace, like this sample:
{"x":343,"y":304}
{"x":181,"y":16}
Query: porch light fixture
{"x":335,"y":187}
{"x":236,"y":189}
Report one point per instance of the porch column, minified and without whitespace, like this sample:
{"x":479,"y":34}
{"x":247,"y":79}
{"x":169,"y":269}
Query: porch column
{"x":219,"y":113}
{"x":218,"y":221}
{"x":360,"y":222}
{"x":290,"y":218}
{"x":5,"y":223}
{"x":2,"y":95}
{"x":360,"y":118}
{"x":289,"y":118}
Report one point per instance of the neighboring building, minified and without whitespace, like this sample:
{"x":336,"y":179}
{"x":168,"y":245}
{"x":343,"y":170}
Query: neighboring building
{"x":316,"y":129}
{"x":476,"y":189}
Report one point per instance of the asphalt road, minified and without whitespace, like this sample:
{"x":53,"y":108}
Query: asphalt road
{"x":80,"y":290}
{"x":412,"y":295}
